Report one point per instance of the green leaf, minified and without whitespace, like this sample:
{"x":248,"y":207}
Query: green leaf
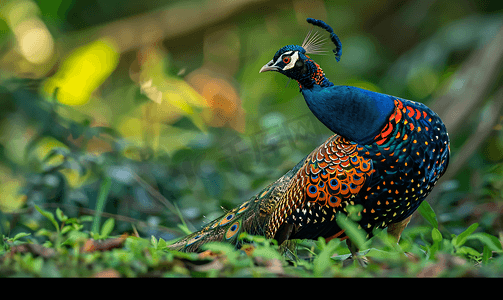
{"x":382,"y":254}
{"x":66,"y":229}
{"x":100,"y":203}
{"x":467,"y":251}
{"x":257,"y":239}
{"x":161,"y":244}
{"x":461,"y":238}
{"x":184,"y":228}
{"x":267,"y":252}
{"x":107,"y":228}
{"x":490,"y":241}
{"x":486,"y":255}
{"x":77,"y":226}
{"x":133,"y":242}
{"x":433,"y":249}
{"x":427,"y":212}
{"x":44,"y":232}
{"x":322,"y":261}
{"x":86,"y":219}
{"x":153,"y":240}
{"x":60,"y":215}
{"x":49,"y":216}
{"x":437,"y":239}
{"x":436,"y":235}
{"x":18,"y":236}
{"x":353,"y":211}
{"x":355,"y":234}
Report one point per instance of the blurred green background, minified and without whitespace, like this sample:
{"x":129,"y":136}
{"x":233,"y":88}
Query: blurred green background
{"x":157,"y":107}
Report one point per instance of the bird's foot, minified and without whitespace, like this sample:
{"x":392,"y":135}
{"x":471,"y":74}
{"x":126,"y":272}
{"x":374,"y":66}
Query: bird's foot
{"x":362,"y":261}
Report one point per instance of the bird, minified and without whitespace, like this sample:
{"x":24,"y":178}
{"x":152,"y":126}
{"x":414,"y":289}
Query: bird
{"x":385,"y":156}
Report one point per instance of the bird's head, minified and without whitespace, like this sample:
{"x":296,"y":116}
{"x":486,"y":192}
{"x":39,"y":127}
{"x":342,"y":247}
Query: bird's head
{"x":290,"y":61}
{"x":293,"y":61}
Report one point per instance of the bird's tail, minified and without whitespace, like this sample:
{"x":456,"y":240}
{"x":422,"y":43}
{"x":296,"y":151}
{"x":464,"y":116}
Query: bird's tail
{"x":227,"y":228}
{"x":249,"y":217}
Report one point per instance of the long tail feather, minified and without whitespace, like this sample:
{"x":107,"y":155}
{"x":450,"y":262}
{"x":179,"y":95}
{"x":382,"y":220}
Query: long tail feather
{"x":249,"y":217}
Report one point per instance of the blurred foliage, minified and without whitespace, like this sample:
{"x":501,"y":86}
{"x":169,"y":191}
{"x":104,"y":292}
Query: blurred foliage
{"x":154,"y":128}
{"x":69,"y":251}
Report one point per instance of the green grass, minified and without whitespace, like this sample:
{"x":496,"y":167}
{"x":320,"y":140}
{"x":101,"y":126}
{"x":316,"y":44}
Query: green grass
{"x":65,"y":252}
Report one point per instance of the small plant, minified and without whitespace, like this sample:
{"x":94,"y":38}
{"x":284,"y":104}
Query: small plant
{"x":64,"y":248}
{"x":456,"y":245}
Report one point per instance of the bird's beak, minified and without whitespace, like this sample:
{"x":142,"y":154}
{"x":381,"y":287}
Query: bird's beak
{"x":268,"y":67}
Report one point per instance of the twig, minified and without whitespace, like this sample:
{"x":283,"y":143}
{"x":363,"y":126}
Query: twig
{"x":171,"y":22}
{"x":89,"y":211}
{"x":478,"y":137}
{"x":35,"y":249}
{"x":470,"y":86}
{"x":476,"y":78}
{"x":473,"y":142}
{"x":159,"y":197}
{"x":92,"y":245}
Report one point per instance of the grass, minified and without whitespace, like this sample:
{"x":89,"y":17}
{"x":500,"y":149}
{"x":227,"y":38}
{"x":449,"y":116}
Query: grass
{"x":68,"y":250}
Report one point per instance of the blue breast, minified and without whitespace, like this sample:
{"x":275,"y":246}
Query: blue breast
{"x":354,"y":113}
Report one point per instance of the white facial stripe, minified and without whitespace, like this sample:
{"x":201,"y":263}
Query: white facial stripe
{"x":293,"y":60}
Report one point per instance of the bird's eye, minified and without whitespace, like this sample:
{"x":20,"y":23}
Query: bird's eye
{"x":286,"y":59}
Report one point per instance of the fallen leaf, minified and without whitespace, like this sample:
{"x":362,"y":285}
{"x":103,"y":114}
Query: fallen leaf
{"x":92,"y":245}
{"x":35,"y":249}
{"x":108,"y":273}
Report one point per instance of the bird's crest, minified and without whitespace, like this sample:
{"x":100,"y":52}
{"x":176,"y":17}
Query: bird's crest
{"x":314,"y":42}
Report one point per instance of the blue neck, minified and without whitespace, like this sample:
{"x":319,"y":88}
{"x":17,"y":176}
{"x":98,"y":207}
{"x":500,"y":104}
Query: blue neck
{"x":354,"y":113}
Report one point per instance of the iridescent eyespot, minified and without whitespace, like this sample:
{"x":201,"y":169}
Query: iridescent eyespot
{"x":226,"y":219}
{"x":334,"y":201}
{"x":334,"y":183}
{"x":195,"y":239}
{"x":231,"y":232}
{"x":312,"y":192}
{"x":243,"y":207}
{"x":286,"y":59}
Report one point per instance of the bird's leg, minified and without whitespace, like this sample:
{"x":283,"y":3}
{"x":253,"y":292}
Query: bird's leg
{"x":395,"y":230}
{"x":362,"y":260}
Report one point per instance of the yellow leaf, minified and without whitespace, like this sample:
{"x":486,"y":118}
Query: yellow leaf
{"x":84,"y":70}
{"x":44,"y":146}
{"x":74,"y":178}
{"x":176,"y":99}
{"x":10,"y":198}
{"x":174,"y":96}
{"x":130,"y":127}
